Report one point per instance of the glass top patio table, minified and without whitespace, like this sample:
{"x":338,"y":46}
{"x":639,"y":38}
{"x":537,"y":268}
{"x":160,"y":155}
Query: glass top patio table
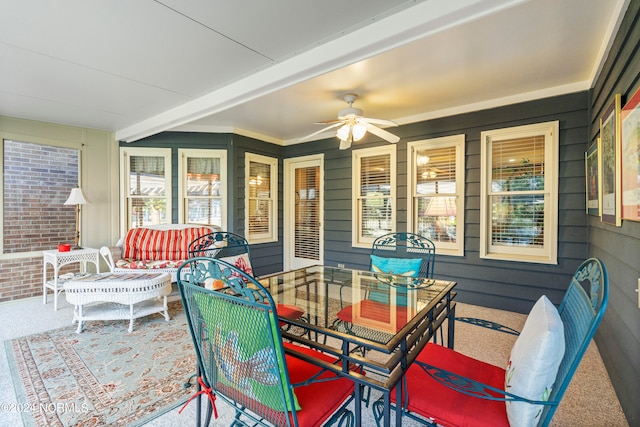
{"x":390,"y":317}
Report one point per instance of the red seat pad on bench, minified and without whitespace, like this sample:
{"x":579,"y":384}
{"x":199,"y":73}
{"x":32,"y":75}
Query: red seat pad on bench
{"x":446,"y":406}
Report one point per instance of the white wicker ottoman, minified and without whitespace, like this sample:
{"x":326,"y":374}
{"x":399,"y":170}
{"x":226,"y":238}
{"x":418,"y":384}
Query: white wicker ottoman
{"x":124,"y":296}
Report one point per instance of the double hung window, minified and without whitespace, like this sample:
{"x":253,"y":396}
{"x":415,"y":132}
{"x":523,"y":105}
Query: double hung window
{"x":203,"y":187}
{"x":519,"y":193}
{"x":261,"y":198}
{"x":436,"y":181}
{"x":374,"y":190}
{"x":146,"y":186}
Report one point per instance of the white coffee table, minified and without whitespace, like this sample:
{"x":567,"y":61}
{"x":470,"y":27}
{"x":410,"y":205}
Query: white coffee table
{"x":119,"y":296}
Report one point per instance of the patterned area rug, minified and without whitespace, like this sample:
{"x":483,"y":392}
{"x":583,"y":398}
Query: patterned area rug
{"x":103,"y":376}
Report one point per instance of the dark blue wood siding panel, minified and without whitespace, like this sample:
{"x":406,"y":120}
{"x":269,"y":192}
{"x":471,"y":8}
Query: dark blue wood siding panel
{"x":500,"y":284}
{"x":618,"y":338}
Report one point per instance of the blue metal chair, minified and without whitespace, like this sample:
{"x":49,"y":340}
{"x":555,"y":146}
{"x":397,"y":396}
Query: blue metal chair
{"x":405,"y":246}
{"x":452,"y":389}
{"x":241,"y":356}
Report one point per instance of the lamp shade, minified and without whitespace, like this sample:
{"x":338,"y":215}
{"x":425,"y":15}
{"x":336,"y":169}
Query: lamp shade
{"x":76,"y":197}
{"x":351,"y":131}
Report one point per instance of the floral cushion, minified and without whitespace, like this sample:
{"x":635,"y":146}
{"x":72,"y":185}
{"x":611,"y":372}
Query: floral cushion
{"x":147,"y":265}
{"x":241,"y":262}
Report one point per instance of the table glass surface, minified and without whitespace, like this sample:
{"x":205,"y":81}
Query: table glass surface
{"x":375,"y":307}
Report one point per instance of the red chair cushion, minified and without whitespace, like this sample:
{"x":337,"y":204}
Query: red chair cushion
{"x":446,"y":406}
{"x":374,"y":314}
{"x":289,"y":311}
{"x":318,"y":400}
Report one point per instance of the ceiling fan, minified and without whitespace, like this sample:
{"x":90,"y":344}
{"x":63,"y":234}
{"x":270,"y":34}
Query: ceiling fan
{"x":352,"y":126}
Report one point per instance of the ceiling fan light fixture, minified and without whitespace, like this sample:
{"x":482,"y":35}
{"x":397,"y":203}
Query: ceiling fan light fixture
{"x":358,"y":131}
{"x":351,"y":132}
{"x":344,"y":132}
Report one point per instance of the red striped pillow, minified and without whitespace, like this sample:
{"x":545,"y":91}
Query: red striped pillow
{"x":150,"y":244}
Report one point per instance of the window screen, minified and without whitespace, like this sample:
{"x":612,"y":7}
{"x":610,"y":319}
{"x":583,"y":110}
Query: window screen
{"x":260,"y":198}
{"x":436,"y":193}
{"x":147,"y":180}
{"x":375,"y":197}
{"x":517,"y":193}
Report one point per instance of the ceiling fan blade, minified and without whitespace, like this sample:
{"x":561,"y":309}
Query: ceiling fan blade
{"x":377,"y":121}
{"x":311,"y":135}
{"x":387,"y":136}
{"x":326,"y":122}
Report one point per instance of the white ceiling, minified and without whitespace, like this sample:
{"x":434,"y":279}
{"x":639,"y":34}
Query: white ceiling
{"x":271,"y":69}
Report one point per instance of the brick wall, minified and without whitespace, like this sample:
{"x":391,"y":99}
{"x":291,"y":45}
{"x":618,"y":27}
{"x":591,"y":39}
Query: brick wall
{"x":37,"y":181}
{"x":22,"y":278}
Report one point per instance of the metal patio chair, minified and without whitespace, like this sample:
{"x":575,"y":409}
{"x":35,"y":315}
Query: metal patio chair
{"x":451,"y":389}
{"x":401,"y":251}
{"x":394,"y":253}
{"x":241,"y":356}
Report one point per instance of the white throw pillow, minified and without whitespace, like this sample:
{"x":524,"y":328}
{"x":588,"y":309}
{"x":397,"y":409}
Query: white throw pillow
{"x":534,"y":361}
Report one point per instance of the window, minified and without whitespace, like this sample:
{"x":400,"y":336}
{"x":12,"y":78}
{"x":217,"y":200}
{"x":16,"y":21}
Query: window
{"x":436,"y":182}
{"x":519,"y":193}
{"x":261,"y":201}
{"x":146,"y":186}
{"x":36,"y":181}
{"x":374,"y":190}
{"x":203,"y":187}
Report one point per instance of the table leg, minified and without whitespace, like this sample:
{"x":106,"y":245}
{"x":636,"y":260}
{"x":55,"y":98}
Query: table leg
{"x":166,"y":309}
{"x":451,"y":316}
{"x":79,"y":308}
{"x":357,"y":403}
{"x":130,"y":318}
{"x":386,"y":410}
{"x":44,"y":282}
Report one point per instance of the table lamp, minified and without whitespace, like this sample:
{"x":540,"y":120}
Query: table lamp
{"x":77,"y":198}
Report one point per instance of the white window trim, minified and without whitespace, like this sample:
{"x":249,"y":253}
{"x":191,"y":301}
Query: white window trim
{"x":125,"y":152}
{"x":273,"y":219}
{"x":357,"y":240}
{"x":457,"y":141}
{"x":183,"y":155}
{"x":548,"y":254}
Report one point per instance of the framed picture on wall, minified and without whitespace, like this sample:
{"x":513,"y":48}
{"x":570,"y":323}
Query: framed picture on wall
{"x":610,"y":146}
{"x":592,"y":172}
{"x":630,"y":162}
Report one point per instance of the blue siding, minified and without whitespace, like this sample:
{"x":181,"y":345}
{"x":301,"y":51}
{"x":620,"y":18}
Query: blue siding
{"x":499,"y":284}
{"x":619,"y":247}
